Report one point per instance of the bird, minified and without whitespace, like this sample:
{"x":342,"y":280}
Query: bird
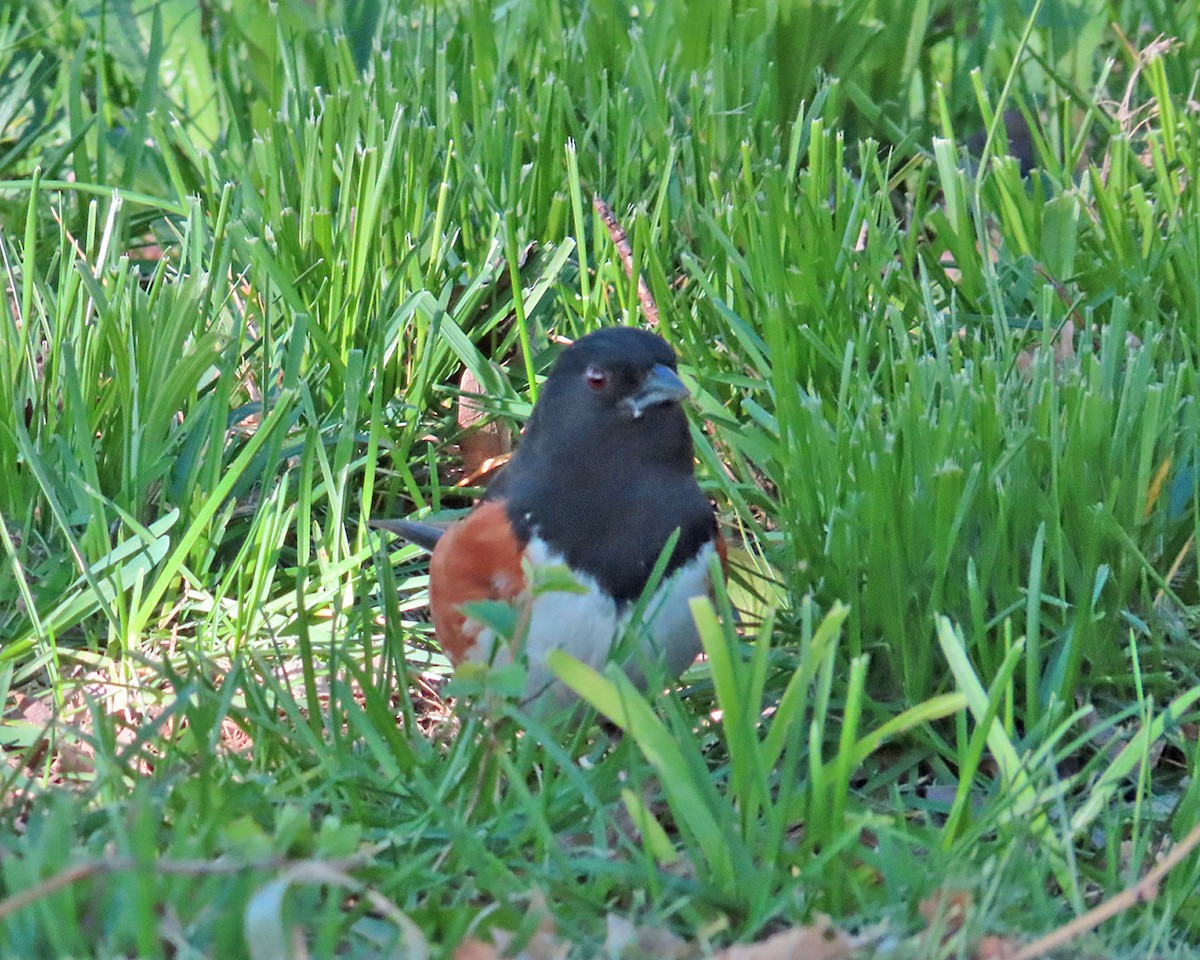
{"x":602,"y":479}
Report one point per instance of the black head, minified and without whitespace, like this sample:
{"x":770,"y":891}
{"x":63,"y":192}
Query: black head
{"x":604,"y":471}
{"x":612,"y":395}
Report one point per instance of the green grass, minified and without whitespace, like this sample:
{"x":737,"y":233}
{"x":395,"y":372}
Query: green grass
{"x":248,"y":251}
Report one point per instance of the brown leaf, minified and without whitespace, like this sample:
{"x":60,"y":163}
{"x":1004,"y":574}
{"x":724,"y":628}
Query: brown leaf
{"x":819,"y":941}
{"x":948,"y":909}
{"x":1062,"y":347}
{"x":623,"y":939}
{"x":996,"y":948}
{"x":73,"y":759}
{"x":485,"y":444}
{"x":543,"y":945}
{"x":476,"y":949}
{"x":33,"y":710}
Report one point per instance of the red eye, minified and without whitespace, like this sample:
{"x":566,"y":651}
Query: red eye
{"x":596,"y":378}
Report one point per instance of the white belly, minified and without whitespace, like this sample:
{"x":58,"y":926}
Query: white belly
{"x":587,"y":626}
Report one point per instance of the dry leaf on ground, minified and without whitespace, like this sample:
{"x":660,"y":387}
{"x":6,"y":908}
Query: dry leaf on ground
{"x":630,"y":942}
{"x":485,"y":444}
{"x":996,"y":948}
{"x":819,"y":941}
{"x":946,"y":910}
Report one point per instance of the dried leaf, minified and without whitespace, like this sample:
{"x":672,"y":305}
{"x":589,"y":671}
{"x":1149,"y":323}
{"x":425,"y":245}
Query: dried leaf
{"x":543,"y":945}
{"x":629,"y":942}
{"x":485,"y":444}
{"x":996,"y":948}
{"x":475,"y":949}
{"x":74,"y":758}
{"x":947,"y":909}
{"x":820,"y":941}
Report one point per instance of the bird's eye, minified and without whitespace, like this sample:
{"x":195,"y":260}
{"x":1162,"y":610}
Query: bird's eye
{"x":596,"y":378}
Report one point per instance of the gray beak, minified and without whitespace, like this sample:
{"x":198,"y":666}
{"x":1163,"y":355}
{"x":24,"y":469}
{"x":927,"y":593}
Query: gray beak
{"x":662,"y":385}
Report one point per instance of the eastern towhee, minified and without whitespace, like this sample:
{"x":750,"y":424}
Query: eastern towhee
{"x":601,"y":480}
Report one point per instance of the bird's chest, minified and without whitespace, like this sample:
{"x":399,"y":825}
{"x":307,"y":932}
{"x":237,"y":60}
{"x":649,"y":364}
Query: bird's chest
{"x":577,"y":615}
{"x":614,"y":529}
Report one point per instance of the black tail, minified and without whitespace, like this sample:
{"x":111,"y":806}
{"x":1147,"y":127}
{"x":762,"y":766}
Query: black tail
{"x":424,"y":535}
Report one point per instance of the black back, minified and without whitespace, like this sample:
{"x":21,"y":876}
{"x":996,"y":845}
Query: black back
{"x":601,"y":487}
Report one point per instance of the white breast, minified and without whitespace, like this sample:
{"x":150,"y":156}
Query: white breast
{"x":587,"y":625}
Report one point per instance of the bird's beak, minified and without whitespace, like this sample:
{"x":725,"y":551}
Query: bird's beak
{"x":662,"y":385}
